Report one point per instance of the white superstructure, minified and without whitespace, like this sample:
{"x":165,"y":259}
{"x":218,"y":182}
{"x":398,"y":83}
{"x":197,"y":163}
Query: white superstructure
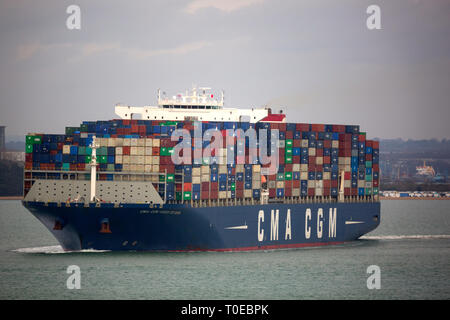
{"x":199,"y":105}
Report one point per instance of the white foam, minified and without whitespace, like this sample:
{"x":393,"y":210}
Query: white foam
{"x":408,"y":237}
{"x":54,"y":250}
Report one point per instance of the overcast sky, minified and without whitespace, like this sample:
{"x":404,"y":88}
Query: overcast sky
{"x":315,"y":58}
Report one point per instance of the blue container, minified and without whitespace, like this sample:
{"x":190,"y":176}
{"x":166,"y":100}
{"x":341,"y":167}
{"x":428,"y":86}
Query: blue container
{"x":196,"y":195}
{"x":280,"y":192}
{"x":334,"y":175}
{"x":296,"y":151}
{"x":239,"y":176}
{"x":73,"y":150}
{"x":214,"y":177}
{"x":222,"y":177}
{"x":368,"y":171}
{"x":360,"y":191}
{"x":247,"y":185}
{"x":327,"y":167}
{"x":311,"y":175}
{"x":196,"y":187}
{"x":110,"y":159}
{"x":296,"y":175}
{"x":256,"y":193}
{"x":319,"y":175}
{"x":118,"y":167}
{"x":334,"y":192}
{"x":368,"y":150}
{"x":319,"y":144}
{"x":335,"y":136}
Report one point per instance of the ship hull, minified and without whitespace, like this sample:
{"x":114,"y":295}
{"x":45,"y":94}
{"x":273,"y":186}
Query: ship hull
{"x":227,"y":228}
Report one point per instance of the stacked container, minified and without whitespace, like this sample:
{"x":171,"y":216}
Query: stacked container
{"x":314,"y":159}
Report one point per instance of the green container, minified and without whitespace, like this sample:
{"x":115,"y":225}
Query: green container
{"x":28,"y":148}
{"x":375,"y":191}
{"x":289,"y":143}
{"x":66,"y":166}
{"x":163,"y":151}
{"x":33,"y":139}
{"x":288,"y":151}
{"x":178,"y":195}
{"x":88,"y":159}
{"x":161,"y":178}
{"x":102,"y":159}
{"x":88,"y":151}
{"x":288,"y":159}
{"x":29,"y":139}
{"x":71,"y":130}
{"x":206,"y":161}
{"x":368,"y":164}
{"x":84,"y":128}
{"x":186,"y":195}
{"x":280,"y":176}
{"x":368,"y":177}
{"x":288,"y":175}
{"x":368,"y":191}
{"x":170,"y":177}
{"x":169,"y":123}
{"x":102,"y":151}
{"x":82,"y":151}
{"x":233,"y":186}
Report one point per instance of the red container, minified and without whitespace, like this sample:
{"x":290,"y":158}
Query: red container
{"x":239,"y":185}
{"x":155,"y":151}
{"x":319,"y":152}
{"x":311,"y":192}
{"x":239,"y":193}
{"x":204,"y":195}
{"x":297,"y":143}
{"x":205,"y":186}
{"x":354,"y":191}
{"x":295,"y":183}
{"x":318,"y":127}
{"x":326,"y":192}
{"x":272,"y":193}
{"x":214,"y":186}
{"x":376,"y":144}
{"x":214,"y":194}
{"x":178,"y":187}
{"x":347,"y":191}
{"x":288,"y":192}
{"x":326,"y":160}
{"x":362,"y":138}
{"x":369,"y":143}
{"x":327,"y":143}
{"x":368,"y":157}
{"x":327,"y":183}
{"x":375,"y":183}
{"x":302,"y":127}
{"x":289,"y":134}
{"x":311,"y":160}
{"x":334,"y":183}
{"x":296,"y":159}
{"x":126,"y":150}
{"x":347,"y":175}
{"x":187,"y":186}
{"x":338,"y":128}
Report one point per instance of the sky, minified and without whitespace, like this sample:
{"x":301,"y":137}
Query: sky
{"x":316,"y":60}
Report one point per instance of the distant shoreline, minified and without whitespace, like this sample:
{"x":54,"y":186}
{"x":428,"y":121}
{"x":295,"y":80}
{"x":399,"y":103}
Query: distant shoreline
{"x":414,"y":198}
{"x":11,"y":197}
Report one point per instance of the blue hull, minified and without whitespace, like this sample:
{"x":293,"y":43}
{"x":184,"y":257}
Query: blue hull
{"x":181,"y":228}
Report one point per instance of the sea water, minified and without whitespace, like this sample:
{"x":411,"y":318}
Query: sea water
{"x":410,"y":251}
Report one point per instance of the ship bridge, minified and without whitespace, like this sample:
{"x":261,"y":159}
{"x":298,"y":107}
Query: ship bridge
{"x":198,"y":105}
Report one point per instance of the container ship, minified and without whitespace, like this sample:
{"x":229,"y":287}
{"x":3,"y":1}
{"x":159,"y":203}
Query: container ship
{"x":191,"y":175}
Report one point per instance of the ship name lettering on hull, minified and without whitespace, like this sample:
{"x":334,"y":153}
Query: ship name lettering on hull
{"x":316,"y":228}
